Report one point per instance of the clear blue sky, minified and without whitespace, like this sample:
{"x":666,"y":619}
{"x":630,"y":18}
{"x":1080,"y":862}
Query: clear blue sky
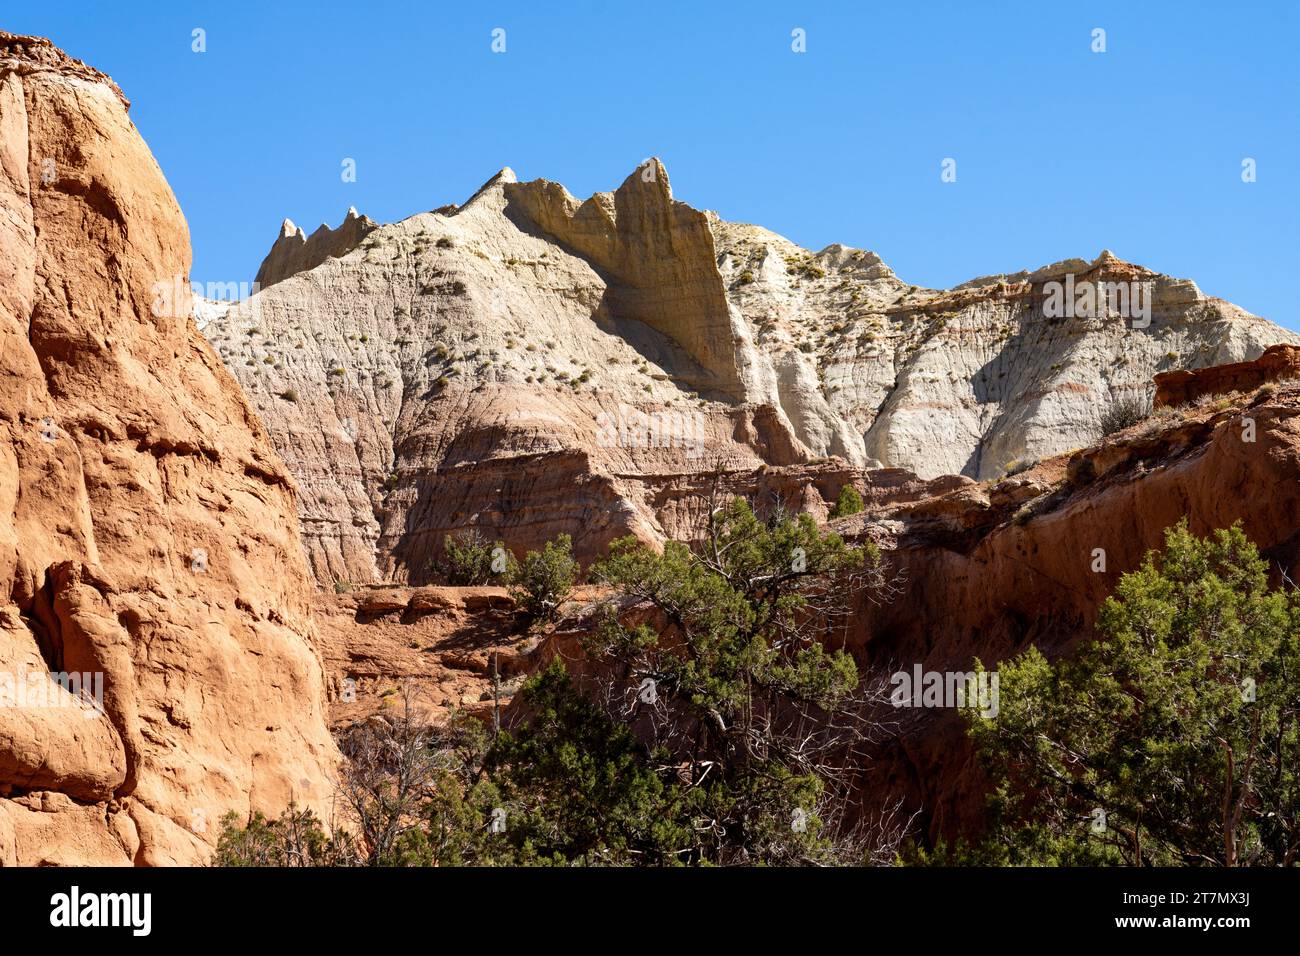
{"x":1060,"y":151}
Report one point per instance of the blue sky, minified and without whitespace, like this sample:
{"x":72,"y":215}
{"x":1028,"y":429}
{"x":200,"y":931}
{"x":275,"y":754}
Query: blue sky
{"x":1060,"y":151}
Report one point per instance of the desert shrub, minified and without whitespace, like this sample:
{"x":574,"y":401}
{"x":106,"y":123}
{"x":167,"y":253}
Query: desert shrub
{"x":1124,"y":413}
{"x":1171,"y":740}
{"x":731,"y":766}
{"x":296,"y":838}
{"x":567,"y":784}
{"x":739,"y":654}
{"x":848,"y":503}
{"x":577,"y":786}
{"x":544,"y":578}
{"x":468,"y":559}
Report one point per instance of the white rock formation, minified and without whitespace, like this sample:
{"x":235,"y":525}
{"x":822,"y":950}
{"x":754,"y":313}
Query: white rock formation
{"x":498,"y":340}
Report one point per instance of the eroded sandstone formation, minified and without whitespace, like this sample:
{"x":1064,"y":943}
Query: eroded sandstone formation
{"x":994,"y":568}
{"x":527,"y":364}
{"x":531,"y":364}
{"x":294,"y":251}
{"x":979,"y":570}
{"x":1278,"y":363}
{"x":147,"y":527}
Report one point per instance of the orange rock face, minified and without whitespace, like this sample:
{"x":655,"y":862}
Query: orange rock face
{"x":148,"y":537}
{"x":434,"y":647}
{"x":992,"y":569}
{"x":1278,"y":362}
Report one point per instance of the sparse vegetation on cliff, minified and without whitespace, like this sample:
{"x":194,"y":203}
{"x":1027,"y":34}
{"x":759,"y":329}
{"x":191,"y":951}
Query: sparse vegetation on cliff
{"x":544,"y":578}
{"x":468,"y":559}
{"x":704,"y":735}
{"x":848,"y":503}
{"x":1124,"y":414}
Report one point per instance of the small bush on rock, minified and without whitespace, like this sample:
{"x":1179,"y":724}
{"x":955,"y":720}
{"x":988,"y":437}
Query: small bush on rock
{"x":469,"y":560}
{"x":1124,"y":414}
{"x":545,"y":578}
{"x":849,"y":503}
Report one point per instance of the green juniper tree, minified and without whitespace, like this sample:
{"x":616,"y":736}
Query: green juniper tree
{"x":468,"y":559}
{"x":750,"y":698}
{"x":848,"y":503}
{"x":294,"y":839}
{"x":1173,"y":738}
{"x":577,"y":787}
{"x":542,"y":581}
{"x":566,"y":785}
{"x":714,"y":721}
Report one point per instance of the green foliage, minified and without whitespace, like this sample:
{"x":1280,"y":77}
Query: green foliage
{"x":848,"y":503}
{"x":544,"y":578}
{"x":577,"y":788}
{"x":1180,"y":724}
{"x":295,"y":838}
{"x":469,"y":560}
{"x":569,"y":785}
{"x":737,"y":652}
{"x":728,"y":764}
{"x":737,"y":604}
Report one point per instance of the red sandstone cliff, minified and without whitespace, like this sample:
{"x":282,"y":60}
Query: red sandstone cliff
{"x":147,"y":526}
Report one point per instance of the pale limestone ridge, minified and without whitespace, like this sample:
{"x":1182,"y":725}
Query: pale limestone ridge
{"x":294,"y":251}
{"x":661,"y":256}
{"x":439,"y":364}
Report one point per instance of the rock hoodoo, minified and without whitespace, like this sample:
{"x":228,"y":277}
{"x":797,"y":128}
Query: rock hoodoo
{"x":294,"y":251}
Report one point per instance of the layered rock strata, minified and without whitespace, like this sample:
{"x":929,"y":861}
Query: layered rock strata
{"x":531,"y":364}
